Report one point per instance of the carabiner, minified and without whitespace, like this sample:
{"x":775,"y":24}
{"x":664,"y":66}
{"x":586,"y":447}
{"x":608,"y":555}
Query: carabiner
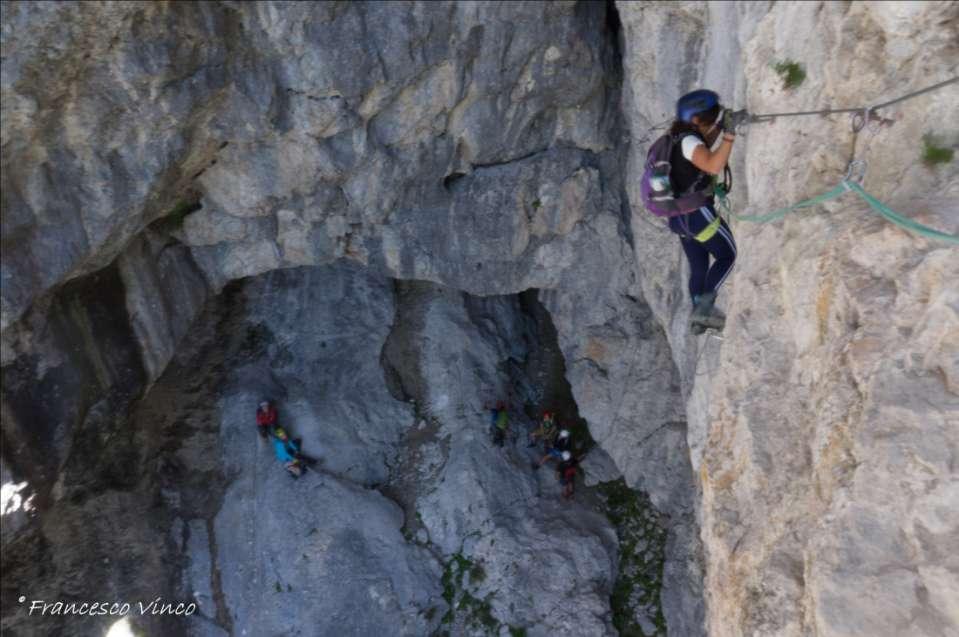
{"x":861,"y":118}
{"x":856,"y":171}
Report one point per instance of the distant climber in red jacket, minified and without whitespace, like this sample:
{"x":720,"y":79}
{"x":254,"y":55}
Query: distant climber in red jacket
{"x":265,"y":418}
{"x":567,"y":473}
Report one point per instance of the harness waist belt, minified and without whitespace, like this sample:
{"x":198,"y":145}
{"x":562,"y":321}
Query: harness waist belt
{"x":707,"y":233}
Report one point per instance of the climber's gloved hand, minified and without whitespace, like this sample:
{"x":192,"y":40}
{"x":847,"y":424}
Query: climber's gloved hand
{"x":734,"y":119}
{"x":727,"y":121}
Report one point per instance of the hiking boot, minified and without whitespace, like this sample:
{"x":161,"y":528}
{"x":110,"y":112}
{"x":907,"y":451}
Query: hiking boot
{"x":703,"y":304}
{"x":704,"y":315}
{"x":715,"y":321}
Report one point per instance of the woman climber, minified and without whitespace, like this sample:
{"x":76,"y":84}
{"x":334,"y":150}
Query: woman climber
{"x":700,"y":120}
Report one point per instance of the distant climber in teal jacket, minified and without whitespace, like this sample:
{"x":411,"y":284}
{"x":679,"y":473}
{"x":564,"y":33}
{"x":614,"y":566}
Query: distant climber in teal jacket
{"x":286,"y":450}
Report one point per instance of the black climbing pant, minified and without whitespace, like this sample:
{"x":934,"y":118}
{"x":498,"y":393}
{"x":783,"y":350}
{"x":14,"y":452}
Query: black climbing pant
{"x":703,"y":276}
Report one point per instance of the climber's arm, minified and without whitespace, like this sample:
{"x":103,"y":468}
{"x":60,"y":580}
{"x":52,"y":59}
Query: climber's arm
{"x":713,"y":162}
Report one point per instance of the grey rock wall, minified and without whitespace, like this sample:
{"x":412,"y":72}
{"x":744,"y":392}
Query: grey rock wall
{"x":830,"y":400}
{"x":155,"y":155}
{"x":177,"y":148}
{"x":307,"y":133}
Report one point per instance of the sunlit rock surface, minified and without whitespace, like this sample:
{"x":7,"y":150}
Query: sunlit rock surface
{"x":823,"y":427}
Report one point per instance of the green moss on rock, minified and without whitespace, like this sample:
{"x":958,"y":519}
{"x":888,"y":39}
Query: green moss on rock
{"x":791,"y":73}
{"x":642,"y":546}
{"x":933,"y":154}
{"x":473,"y":611}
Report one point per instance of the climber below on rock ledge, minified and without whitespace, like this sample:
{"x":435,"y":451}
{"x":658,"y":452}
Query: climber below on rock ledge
{"x":567,"y":473}
{"x":562,"y":445}
{"x":499,"y":422}
{"x":545,"y":432}
{"x":700,"y":120}
{"x":265,"y":418}
{"x":288,"y":452}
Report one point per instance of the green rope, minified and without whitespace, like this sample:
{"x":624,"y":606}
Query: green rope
{"x":782,"y":212}
{"x":899,"y":220}
{"x":838,"y":191}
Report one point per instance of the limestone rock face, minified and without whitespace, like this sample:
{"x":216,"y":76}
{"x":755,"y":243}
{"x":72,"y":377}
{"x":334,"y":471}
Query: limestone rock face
{"x":387,"y":216}
{"x":161,"y":162}
{"x":822,"y":427}
{"x":306,"y":133}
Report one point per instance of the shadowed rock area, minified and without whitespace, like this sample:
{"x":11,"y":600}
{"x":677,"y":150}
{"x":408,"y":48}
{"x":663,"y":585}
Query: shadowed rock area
{"x":405,"y":493}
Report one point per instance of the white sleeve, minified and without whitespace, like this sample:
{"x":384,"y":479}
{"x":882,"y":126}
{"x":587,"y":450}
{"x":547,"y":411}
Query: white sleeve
{"x":690,"y":142}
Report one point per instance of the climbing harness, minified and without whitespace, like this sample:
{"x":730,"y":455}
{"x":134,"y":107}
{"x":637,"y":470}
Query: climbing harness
{"x":707,"y":233}
{"x":718,"y":189}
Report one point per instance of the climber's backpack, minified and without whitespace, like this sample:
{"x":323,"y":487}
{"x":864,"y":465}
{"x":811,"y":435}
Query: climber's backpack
{"x":656,"y":188}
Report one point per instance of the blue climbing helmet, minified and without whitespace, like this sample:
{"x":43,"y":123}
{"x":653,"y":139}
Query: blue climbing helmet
{"x":694,"y":103}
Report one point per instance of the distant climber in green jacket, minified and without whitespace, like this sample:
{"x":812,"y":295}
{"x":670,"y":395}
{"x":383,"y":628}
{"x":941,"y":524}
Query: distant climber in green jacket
{"x":499,"y":421}
{"x":545,"y":432}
